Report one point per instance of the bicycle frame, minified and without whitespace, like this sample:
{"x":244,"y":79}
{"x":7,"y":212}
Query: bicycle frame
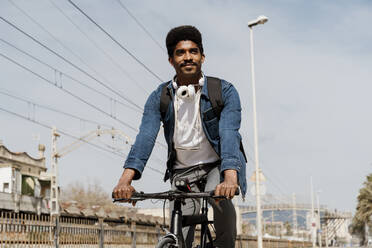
{"x":178,"y":221}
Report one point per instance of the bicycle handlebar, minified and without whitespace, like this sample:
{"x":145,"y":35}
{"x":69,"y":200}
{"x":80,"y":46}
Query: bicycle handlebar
{"x":170,"y":195}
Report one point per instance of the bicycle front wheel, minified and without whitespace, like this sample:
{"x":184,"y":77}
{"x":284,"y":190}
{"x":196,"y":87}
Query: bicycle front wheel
{"x":166,"y":242}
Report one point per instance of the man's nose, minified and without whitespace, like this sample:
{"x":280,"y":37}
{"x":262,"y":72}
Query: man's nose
{"x":188,"y":56}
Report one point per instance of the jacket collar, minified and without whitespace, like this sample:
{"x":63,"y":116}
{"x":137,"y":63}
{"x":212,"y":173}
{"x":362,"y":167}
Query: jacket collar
{"x":169,"y":84}
{"x":204,"y":91}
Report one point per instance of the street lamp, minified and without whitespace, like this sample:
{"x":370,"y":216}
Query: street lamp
{"x":251,"y":24}
{"x":259,"y":20}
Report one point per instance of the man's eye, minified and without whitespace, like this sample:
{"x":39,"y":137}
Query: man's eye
{"x":179,"y":52}
{"x":194,"y":51}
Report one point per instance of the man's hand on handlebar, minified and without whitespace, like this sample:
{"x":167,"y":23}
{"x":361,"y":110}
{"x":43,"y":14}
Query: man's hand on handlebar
{"x":124,"y":189}
{"x":229,"y":186}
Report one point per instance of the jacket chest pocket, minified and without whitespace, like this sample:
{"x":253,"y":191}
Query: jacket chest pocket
{"x":211,"y":123}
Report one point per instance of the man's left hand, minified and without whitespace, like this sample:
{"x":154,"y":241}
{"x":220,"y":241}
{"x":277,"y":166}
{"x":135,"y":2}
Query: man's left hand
{"x":230,"y":184}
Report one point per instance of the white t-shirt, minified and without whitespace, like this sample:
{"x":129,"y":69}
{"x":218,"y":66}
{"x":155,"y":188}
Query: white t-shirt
{"x":191,"y":144}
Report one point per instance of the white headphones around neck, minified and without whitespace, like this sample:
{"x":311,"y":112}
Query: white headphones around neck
{"x":186,"y":91}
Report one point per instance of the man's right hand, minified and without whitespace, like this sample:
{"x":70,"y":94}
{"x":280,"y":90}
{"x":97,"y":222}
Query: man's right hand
{"x":124,"y":189}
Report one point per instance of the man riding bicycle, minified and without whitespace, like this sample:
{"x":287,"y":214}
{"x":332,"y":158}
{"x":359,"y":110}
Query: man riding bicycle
{"x":204,"y":144}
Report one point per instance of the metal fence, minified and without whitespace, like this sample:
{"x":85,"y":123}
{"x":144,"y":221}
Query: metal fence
{"x":244,"y":241}
{"x":24,"y":229}
{"x":31,"y":230}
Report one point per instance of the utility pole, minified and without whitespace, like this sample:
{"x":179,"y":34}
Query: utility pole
{"x":54,"y":187}
{"x":272,"y":217}
{"x":326,"y":232}
{"x":54,"y":197}
{"x":320,"y":226}
{"x":294,"y":214}
{"x":313,"y":226}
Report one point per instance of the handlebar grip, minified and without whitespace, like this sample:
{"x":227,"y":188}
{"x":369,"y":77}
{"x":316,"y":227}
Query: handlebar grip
{"x":237,"y":192}
{"x":135,"y":193}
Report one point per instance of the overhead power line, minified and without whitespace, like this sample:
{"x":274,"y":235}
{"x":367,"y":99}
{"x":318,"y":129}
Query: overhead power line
{"x":60,"y":131}
{"x":96,"y":45}
{"x":114,"y":40}
{"x":141,"y":25}
{"x":70,"y":77}
{"x":70,"y":63}
{"x":66,"y":114}
{"x":72,"y":136}
{"x":53,"y":109}
{"x":68,"y":92}
{"x":74,"y":95}
{"x":56,"y":39}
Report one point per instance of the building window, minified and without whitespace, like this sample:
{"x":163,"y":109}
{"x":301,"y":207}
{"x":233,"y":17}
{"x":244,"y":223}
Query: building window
{"x":6,"y":187}
{"x":29,"y":169}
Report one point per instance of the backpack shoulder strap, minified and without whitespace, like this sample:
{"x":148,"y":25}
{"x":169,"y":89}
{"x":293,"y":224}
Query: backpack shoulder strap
{"x":215,"y":95}
{"x":165,"y":98}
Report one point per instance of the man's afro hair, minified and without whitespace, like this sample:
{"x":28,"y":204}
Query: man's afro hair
{"x":181,"y":33}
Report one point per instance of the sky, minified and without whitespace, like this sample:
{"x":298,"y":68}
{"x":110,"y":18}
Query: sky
{"x":312,"y":64}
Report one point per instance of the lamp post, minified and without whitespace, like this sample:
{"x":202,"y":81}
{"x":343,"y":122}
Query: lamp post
{"x":251,"y":24}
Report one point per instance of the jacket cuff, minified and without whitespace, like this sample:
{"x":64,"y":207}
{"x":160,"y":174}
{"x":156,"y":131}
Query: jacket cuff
{"x":136,"y":166}
{"x":230,"y":164}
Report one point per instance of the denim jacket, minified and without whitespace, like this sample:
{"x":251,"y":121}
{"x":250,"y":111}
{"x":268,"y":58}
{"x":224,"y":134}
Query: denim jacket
{"x":223,"y":134}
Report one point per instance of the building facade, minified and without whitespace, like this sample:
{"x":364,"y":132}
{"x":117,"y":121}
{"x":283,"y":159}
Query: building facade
{"x":23,"y":180}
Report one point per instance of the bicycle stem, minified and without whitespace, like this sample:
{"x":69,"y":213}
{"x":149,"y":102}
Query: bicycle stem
{"x":176,"y":223}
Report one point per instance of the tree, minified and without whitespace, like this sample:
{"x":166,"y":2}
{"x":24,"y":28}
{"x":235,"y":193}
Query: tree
{"x":88,"y":195}
{"x":361,"y":221}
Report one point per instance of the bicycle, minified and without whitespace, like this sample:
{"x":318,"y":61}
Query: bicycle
{"x":174,"y":237}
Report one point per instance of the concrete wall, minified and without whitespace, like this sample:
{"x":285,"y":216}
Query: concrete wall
{"x":6,"y":178}
{"x":18,"y":181}
{"x":23,"y":203}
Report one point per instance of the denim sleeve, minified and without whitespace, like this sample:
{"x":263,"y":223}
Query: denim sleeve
{"x":145,"y":140}
{"x":229,"y":125}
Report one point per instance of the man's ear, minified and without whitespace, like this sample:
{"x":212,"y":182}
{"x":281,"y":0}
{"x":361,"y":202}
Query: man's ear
{"x":203,"y":58}
{"x":170,"y":60}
